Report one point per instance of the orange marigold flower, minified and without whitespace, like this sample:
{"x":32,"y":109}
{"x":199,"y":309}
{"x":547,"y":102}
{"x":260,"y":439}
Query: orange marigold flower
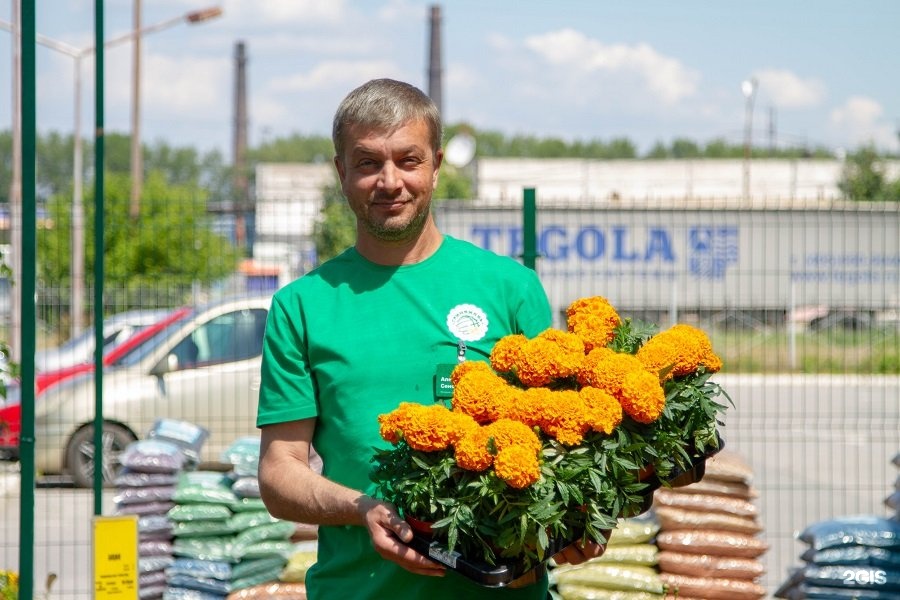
{"x":507,"y":352}
{"x":431,"y":428}
{"x":392,"y":424}
{"x":565,"y":416}
{"x":468,"y":366}
{"x":471,"y":450}
{"x":658,"y":354}
{"x":507,"y":432}
{"x":550,"y":356}
{"x":694,"y":349}
{"x":518,"y":466}
{"x":606,"y":369}
{"x":528,"y":406}
{"x":483,"y":395}
{"x":642,"y":396}
{"x":594,"y":320}
{"x":604,"y":411}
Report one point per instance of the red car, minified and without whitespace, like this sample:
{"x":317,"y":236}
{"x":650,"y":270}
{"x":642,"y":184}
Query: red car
{"x":11,"y":412}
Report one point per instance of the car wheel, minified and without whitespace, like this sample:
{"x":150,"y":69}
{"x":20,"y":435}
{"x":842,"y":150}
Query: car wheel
{"x":80,"y":453}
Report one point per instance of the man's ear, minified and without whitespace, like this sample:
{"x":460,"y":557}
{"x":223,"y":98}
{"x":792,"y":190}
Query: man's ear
{"x":339,"y":166}
{"x":438,"y":161}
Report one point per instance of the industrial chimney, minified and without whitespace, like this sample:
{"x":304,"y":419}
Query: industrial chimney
{"x":434,"y":61}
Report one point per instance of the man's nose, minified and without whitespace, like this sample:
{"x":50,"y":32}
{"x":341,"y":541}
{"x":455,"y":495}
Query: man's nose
{"x":391,"y":179}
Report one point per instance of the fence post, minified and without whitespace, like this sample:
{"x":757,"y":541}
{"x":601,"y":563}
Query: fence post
{"x":28,"y":255}
{"x":529,"y":229}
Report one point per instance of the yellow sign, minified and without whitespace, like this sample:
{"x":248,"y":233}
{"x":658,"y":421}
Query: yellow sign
{"x":116,"y":558}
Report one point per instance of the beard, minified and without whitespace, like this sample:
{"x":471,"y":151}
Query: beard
{"x":399,"y":228}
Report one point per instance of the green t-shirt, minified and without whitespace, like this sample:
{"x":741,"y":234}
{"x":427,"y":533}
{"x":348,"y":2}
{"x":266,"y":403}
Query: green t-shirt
{"x":351,"y":340}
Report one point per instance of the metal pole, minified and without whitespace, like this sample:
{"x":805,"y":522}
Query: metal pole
{"x":529,"y":229}
{"x":26,"y":281}
{"x":99,"y":192}
{"x":15,"y":187}
{"x":77,"y":266}
{"x":137,"y":162}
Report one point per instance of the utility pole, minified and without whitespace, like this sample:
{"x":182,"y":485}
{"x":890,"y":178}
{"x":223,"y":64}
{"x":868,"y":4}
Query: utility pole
{"x":15,"y":189}
{"x":241,"y":184}
{"x":435,"y":83}
{"x":137,"y":159}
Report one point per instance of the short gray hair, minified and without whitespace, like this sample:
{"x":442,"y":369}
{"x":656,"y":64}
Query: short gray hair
{"x":385,"y":104}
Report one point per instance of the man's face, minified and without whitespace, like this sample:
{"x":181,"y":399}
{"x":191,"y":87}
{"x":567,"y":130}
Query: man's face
{"x":388,"y":179}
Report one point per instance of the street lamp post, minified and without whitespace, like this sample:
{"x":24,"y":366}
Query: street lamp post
{"x":748,"y":87}
{"x":78,"y":54}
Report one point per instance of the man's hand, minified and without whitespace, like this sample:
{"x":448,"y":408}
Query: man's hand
{"x":390,"y":534}
{"x":576,"y":553}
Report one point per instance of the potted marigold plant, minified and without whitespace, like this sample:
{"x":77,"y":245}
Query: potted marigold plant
{"x":555,"y":439}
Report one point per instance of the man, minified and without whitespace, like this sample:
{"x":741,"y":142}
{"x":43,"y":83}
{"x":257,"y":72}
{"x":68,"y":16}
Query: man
{"x":368,"y":330}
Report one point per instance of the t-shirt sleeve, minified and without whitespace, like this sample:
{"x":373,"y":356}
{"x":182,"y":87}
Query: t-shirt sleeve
{"x":287,"y":388}
{"x":534,"y":314}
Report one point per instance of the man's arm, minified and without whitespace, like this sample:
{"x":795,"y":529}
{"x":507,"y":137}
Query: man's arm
{"x":293,"y":491}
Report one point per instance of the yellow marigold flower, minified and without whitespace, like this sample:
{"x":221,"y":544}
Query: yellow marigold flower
{"x":658,"y":354}
{"x":507,"y":351}
{"x":565,"y":416}
{"x":481,"y":394}
{"x":642,"y":396}
{"x":431,"y":428}
{"x":594,"y":320}
{"x":468,"y":366}
{"x":507,"y":432}
{"x":604,"y":411}
{"x":518,"y":466}
{"x":471,"y":450}
{"x":606,"y":369}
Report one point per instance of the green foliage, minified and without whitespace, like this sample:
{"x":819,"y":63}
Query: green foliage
{"x":583,"y":489}
{"x":171,"y":243}
{"x":453,"y":184}
{"x":335,"y":230}
{"x":294,"y":148}
{"x":863,"y":178}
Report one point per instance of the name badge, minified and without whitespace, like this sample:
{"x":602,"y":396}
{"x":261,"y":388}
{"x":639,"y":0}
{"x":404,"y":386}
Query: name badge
{"x":443,"y":386}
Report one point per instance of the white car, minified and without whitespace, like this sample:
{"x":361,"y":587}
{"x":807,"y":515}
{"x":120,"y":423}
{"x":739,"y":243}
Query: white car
{"x":80,"y":349}
{"x":203,"y":368}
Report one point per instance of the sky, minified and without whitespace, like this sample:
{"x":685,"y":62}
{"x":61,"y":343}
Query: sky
{"x":650,"y":71}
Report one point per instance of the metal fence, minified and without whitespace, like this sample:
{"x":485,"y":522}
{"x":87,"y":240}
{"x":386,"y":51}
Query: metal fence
{"x":801,"y":305}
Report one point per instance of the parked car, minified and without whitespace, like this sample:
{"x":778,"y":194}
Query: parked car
{"x":11,"y":410}
{"x":80,"y":349}
{"x":203,"y":368}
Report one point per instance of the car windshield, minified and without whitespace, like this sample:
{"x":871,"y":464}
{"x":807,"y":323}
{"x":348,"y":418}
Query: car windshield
{"x":137,"y":354}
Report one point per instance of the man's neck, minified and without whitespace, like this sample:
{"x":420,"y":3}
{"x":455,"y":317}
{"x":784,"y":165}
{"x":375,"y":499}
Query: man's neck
{"x":403,"y":252}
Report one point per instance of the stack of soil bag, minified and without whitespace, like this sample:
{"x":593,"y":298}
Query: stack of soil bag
{"x":709,"y":534}
{"x":854,"y":557}
{"x":145,"y":487}
{"x":626,"y":571}
{"x":278,"y":550}
{"x":225,"y":539}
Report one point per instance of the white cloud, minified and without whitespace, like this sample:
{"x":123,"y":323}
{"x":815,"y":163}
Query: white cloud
{"x":788,"y":90}
{"x":569,"y":49}
{"x":285,"y":12}
{"x":860,"y":121}
{"x":336,"y":73}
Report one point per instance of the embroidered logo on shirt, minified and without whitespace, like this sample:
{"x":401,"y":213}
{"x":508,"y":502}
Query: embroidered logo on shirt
{"x":467,"y":322}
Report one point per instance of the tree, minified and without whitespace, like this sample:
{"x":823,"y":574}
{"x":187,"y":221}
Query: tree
{"x":335,"y":230}
{"x":863,"y":178}
{"x":161,"y":254}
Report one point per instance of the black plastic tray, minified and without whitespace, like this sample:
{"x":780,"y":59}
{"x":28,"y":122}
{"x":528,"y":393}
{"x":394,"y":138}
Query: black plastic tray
{"x":507,"y":571}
